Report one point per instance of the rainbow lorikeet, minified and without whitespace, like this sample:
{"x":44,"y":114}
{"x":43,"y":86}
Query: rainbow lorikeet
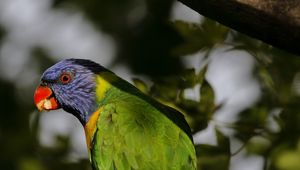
{"x":124,"y":128}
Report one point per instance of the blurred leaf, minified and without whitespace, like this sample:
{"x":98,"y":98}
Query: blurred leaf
{"x":258,"y":145}
{"x":251,"y":122}
{"x":189,"y":78}
{"x":201,"y":75}
{"x":207,"y":101}
{"x":266,"y":79}
{"x":290,"y":117}
{"x":30,"y":164}
{"x":192,"y":33}
{"x":208,"y":155}
{"x":223,"y":142}
{"x":199,"y":119}
{"x":140,"y":85}
{"x":288,"y":159}
{"x":200,"y":112}
{"x":165,"y":88}
{"x":198,"y":37}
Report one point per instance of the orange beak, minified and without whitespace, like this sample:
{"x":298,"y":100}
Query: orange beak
{"x":44,"y":99}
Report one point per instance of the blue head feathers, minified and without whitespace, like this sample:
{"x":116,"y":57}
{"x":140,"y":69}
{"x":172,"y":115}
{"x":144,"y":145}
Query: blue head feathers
{"x":73,"y":84}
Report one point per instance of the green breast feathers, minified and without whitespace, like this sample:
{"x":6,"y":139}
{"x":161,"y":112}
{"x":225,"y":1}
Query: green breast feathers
{"x":131,"y":132}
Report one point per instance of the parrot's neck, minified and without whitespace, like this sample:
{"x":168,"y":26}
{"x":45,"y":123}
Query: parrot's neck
{"x":90,"y":129}
{"x":103,"y":84}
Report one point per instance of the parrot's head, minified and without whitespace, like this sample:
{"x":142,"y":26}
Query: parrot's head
{"x":69,"y":84}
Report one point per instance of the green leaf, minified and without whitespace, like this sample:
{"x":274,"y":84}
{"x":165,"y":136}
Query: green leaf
{"x":198,"y":37}
{"x":251,"y":122}
{"x":288,"y":159}
{"x":208,"y":155}
{"x":188,"y":78}
{"x":140,"y":85}
{"x":30,"y":164}
{"x":258,"y":145}
{"x":223,"y":141}
{"x":201,"y":75}
{"x":207,"y":98}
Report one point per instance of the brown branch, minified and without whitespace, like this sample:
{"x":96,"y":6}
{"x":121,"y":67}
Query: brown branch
{"x":274,"y":22}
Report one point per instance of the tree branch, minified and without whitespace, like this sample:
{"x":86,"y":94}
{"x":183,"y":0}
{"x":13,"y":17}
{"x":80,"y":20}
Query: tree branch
{"x":274,"y":22}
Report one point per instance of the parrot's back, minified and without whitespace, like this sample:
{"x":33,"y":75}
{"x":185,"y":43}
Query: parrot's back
{"x":133,"y":131}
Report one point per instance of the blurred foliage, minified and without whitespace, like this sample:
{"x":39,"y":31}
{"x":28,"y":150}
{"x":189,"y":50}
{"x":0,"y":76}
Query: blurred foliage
{"x":214,"y":157}
{"x":141,"y":29}
{"x":211,"y":33}
{"x":150,"y":44}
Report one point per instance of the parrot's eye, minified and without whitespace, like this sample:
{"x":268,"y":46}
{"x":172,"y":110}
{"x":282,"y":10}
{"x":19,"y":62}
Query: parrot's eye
{"x":65,"y":78}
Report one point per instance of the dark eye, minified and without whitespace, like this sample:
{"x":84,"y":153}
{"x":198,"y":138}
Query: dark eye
{"x":65,"y":78}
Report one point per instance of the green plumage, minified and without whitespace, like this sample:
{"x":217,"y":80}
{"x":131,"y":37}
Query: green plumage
{"x":125,"y":129}
{"x":134,"y":131}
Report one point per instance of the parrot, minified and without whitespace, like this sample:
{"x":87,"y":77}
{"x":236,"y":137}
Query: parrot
{"x":124,"y":128}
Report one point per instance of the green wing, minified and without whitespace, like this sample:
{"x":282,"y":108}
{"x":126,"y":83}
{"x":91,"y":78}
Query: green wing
{"x":133,"y":134}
